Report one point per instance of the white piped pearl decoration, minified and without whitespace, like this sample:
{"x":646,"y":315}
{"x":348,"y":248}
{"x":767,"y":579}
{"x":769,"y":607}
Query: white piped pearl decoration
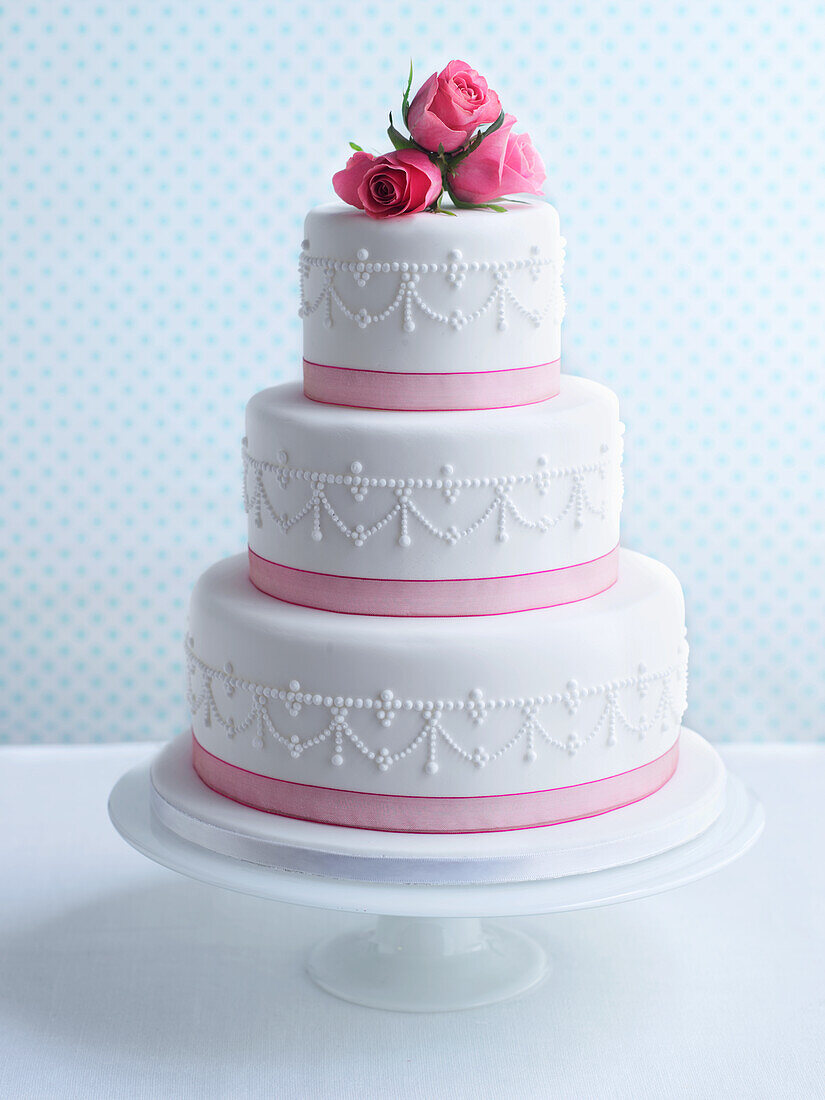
{"x":408,"y":296}
{"x":411,"y":496}
{"x":611,"y":711}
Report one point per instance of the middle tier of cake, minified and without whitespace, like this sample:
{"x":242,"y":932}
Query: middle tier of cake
{"x":354,"y":510}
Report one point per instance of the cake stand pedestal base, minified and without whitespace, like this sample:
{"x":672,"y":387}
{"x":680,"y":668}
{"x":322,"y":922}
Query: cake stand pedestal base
{"x":420,"y":964}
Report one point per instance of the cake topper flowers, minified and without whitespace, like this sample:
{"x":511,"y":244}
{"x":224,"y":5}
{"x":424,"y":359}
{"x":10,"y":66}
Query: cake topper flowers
{"x":461,"y":143}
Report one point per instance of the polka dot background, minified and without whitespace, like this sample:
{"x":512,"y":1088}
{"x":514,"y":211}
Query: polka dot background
{"x":156,"y":161}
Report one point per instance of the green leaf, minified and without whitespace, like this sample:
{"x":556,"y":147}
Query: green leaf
{"x":405,"y":102}
{"x":357,"y":148}
{"x":397,"y":138}
{"x":491,"y":129}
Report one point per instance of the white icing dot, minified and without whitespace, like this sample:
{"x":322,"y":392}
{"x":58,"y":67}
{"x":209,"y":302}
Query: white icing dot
{"x":405,"y":541}
{"x":362,"y":254}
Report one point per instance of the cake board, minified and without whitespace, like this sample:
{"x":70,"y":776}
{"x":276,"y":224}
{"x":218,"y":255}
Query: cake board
{"x":429,"y":950}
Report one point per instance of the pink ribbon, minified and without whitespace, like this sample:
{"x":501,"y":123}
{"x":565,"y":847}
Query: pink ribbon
{"x":427,"y":814}
{"x":436,"y":598}
{"x":447,"y":392}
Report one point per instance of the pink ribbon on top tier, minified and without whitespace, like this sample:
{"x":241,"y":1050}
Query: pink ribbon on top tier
{"x":442,"y":392}
{"x":435,"y":598}
{"x":397,"y":813}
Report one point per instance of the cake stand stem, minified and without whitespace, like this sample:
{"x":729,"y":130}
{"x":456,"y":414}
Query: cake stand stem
{"x":428,"y":964}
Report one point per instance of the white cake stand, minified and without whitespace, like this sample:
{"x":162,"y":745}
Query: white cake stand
{"x":429,"y":950}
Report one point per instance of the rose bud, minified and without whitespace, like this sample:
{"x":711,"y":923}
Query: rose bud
{"x":504,"y":164}
{"x":449,"y":107}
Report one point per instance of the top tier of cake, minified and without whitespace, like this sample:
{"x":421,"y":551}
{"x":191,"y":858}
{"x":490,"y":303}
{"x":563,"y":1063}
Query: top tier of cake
{"x":432,"y":311}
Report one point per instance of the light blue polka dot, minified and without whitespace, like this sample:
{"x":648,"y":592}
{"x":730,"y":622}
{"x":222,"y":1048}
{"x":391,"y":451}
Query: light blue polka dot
{"x":157,"y":161}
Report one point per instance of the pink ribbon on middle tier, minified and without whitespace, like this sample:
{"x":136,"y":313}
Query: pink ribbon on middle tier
{"x":435,"y":598}
{"x":450,"y":391}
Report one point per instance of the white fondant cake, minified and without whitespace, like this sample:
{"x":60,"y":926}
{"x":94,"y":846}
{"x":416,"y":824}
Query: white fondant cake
{"x":368,"y":493}
{"x":429,"y":634}
{"x":428,"y":294}
{"x":438,"y":707}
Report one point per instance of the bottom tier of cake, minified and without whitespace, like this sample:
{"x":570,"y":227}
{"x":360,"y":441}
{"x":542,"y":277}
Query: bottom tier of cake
{"x":438,"y":725}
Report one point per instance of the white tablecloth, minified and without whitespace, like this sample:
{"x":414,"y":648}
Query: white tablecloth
{"x":119,"y":978}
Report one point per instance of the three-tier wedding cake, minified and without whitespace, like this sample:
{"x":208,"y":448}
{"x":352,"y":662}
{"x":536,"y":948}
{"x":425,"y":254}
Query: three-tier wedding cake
{"x":435,"y":629}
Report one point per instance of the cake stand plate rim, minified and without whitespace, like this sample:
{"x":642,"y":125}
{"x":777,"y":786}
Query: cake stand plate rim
{"x":733,"y":832}
{"x":681,"y":810}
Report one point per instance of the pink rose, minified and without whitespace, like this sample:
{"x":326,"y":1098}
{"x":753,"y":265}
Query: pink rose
{"x":504,"y":164}
{"x":449,"y":107}
{"x":403,"y":182}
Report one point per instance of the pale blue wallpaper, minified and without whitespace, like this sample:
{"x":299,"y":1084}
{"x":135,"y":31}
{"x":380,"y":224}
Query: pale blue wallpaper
{"x":155,"y":164}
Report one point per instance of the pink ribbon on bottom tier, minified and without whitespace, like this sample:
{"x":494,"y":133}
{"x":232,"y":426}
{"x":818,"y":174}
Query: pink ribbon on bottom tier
{"x":435,"y":598}
{"x":428,"y":814}
{"x":451,"y":391}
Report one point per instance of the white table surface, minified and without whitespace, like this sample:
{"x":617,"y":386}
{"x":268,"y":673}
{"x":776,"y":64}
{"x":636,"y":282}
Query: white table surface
{"x":119,"y":978}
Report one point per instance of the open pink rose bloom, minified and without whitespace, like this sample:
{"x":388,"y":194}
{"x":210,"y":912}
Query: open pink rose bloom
{"x":402,"y":182}
{"x":504,"y":164}
{"x":449,"y":107}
